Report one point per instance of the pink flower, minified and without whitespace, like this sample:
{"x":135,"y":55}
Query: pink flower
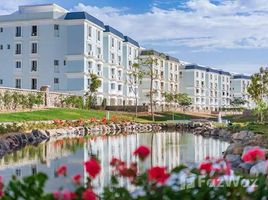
{"x":62,"y":170}
{"x":253,"y":155}
{"x":93,"y":167}
{"x":76,"y":179}
{"x":158,"y":174}
{"x":142,"y":152}
{"x":88,"y":194}
{"x":115,"y":162}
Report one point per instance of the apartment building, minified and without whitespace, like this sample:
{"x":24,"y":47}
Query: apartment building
{"x":239,"y":85}
{"x":209,"y":88}
{"x":47,"y":45}
{"x":166,"y":70}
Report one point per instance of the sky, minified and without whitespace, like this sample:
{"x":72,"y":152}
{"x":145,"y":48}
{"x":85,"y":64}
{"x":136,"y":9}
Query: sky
{"x":224,"y":34}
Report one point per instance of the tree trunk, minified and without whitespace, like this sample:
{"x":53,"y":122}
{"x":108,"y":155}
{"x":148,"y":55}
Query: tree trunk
{"x":136,"y":105}
{"x":151,"y":95}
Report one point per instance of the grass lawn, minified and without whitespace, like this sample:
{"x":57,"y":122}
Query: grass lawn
{"x":51,"y":114}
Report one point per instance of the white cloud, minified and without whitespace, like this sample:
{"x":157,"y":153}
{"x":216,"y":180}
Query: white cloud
{"x":229,"y":24}
{"x":9,"y":6}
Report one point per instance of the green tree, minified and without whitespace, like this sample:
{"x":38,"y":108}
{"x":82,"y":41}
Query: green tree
{"x":258,"y":91}
{"x":134,"y":80}
{"x":183,"y":100}
{"x":169,"y":98}
{"x":93,"y":87}
{"x":148,"y":61}
{"x":238,"y":101}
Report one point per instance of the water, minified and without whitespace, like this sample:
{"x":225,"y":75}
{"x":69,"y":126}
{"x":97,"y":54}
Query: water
{"x":167,"y":149}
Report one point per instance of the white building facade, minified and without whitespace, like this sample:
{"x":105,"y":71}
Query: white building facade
{"x":47,"y":45}
{"x":165,"y":72}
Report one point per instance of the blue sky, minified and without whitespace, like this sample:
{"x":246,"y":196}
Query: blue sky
{"x":225,"y":34}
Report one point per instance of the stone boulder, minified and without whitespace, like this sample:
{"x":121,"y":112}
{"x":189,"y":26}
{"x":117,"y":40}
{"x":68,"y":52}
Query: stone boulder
{"x":242,"y":135}
{"x":235,"y":149}
{"x":235,"y":160}
{"x":260,"y":168}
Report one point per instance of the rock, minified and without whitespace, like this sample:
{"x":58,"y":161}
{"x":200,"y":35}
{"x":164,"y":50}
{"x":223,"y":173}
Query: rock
{"x":242,"y":135}
{"x":245,"y":167}
{"x":260,"y":168}
{"x":235,"y":160}
{"x":215,"y":132}
{"x":235,"y":149}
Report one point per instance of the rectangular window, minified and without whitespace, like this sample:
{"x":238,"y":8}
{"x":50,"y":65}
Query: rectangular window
{"x":18,"y":31}
{"x":1,"y":47}
{"x":1,"y":81}
{"x":8,"y":46}
{"x":18,"y":64}
{"x":34,"y":84}
{"x":56,"y":80}
{"x":112,"y":42}
{"x":89,"y":31}
{"x":56,"y":62}
{"x":18,"y":83}
{"x":56,"y":30}
{"x":34,"y":66}
{"x":119,"y":45}
{"x":34,"y":31}
{"x":112,"y":86}
{"x":34,"y":47}
{"x":64,"y":62}
{"x":18,"y":49}
{"x":98,"y":35}
{"x":119,"y":87}
{"x":1,"y":29}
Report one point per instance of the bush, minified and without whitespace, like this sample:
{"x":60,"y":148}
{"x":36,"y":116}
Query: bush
{"x":73,"y":101}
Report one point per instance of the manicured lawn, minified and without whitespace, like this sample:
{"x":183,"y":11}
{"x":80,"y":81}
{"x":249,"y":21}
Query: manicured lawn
{"x":51,"y":114}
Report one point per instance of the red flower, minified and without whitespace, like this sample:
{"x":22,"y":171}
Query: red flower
{"x":115,"y":162}
{"x":253,"y":155}
{"x":142,"y":152}
{"x":67,"y":195}
{"x":76,"y":179}
{"x":88,"y":194}
{"x":158,"y":174}
{"x":56,"y":195}
{"x":93,"y":167}
{"x":62,"y":170}
{"x":1,"y":187}
{"x":104,"y":120}
{"x":205,"y":167}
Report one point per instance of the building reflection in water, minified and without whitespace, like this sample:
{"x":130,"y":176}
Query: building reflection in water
{"x":167,"y":149}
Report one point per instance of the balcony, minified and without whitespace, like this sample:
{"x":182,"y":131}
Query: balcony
{"x":90,"y":53}
{"x":99,"y":56}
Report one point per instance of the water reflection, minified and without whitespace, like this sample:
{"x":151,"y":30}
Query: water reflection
{"x":168,"y":149}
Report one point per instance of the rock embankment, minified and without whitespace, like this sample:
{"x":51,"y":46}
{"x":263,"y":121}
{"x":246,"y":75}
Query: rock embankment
{"x":241,"y":143}
{"x":15,"y":141}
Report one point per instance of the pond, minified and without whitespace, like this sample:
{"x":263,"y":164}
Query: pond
{"x":167,"y":149}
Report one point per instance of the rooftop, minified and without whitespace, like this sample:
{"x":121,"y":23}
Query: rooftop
{"x":114,"y":31}
{"x":130,"y":40}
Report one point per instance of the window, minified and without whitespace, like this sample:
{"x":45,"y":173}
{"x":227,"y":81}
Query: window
{"x":17,"y":83}
{"x":119,"y":87}
{"x":119,"y":45}
{"x":112,"y":86}
{"x":34,"y":66}
{"x":1,"y":47}
{"x":18,"y":49}
{"x":89,"y":31}
{"x":34,"y":84}
{"x":64,"y":62}
{"x":34,"y":47}
{"x":34,"y":31}
{"x":56,"y":62}
{"x":112,"y":42}
{"x":90,"y":64}
{"x":98,"y":35}
{"x":56,"y":30}
{"x":1,"y":29}
{"x":18,"y":64}
{"x":8,"y":46}
{"x":1,"y":81}
{"x":56,"y":80}
{"x":18,"y":31}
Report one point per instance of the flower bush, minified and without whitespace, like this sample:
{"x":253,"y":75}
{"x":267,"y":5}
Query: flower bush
{"x":212,"y":179}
